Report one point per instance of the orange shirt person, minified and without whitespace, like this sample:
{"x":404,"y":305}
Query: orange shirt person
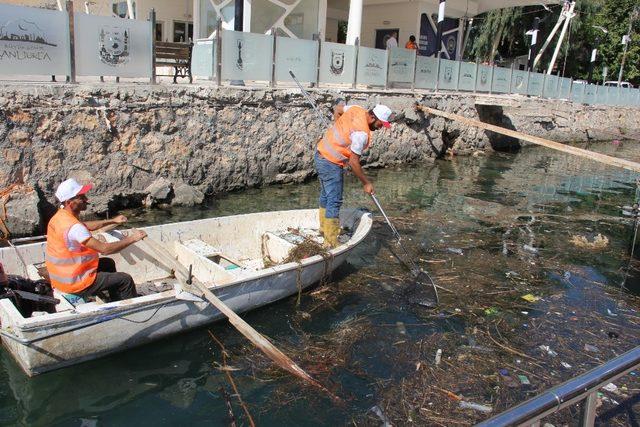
{"x":411,"y":44}
{"x":72,"y":254}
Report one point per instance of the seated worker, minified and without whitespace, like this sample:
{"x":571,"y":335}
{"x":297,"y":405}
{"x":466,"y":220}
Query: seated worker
{"x":411,"y":44}
{"x":72,"y":256}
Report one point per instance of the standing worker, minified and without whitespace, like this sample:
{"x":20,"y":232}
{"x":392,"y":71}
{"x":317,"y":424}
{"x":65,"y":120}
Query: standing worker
{"x":343,"y":144}
{"x":72,"y":257}
{"x":392,"y":41}
{"x":411,"y":44}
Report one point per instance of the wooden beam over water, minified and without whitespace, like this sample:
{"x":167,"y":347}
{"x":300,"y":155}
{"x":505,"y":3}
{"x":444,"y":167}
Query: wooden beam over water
{"x":591,"y":155}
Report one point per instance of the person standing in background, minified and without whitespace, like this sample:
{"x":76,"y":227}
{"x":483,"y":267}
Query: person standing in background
{"x":392,"y":41}
{"x":411,"y":44}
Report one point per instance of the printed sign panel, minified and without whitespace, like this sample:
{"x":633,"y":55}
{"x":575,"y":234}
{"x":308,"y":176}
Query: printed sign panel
{"x":246,"y":56}
{"x":551,"y":87}
{"x":601,"y":95}
{"x":203,"y":58}
{"x":107,"y":46}
{"x":536,"y":84}
{"x":299,"y":56}
{"x":519,"y":83}
{"x":372,"y":66}
{"x":337,"y":63}
{"x":426,"y":70}
{"x":33,"y":41}
{"x":467,"y":78}
{"x":402,"y":64}
{"x":448,"y":75}
{"x":589,"y":94}
{"x":501,"y":80}
{"x":483,"y":81}
{"x":564,"y":91}
{"x":577,"y":92}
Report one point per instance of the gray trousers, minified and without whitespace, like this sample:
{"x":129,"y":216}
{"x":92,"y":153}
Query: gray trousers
{"x":119,"y":285}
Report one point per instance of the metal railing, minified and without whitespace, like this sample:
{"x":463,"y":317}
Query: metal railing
{"x":582,"y":388}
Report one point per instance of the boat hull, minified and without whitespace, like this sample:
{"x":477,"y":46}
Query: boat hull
{"x":126,"y":324}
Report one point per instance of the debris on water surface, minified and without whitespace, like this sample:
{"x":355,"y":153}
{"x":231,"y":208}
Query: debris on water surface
{"x":548,"y":350}
{"x":475,"y":406}
{"x":378,"y":412}
{"x":565,"y":365}
{"x":530,"y":249}
{"x":611,"y":387}
{"x":591,"y":348}
{"x":530,"y":298}
{"x":455,"y":251}
{"x":491,"y":311}
{"x":610,"y":313}
{"x":599,"y":242}
{"x":438,"y":357}
{"x":308,"y":247}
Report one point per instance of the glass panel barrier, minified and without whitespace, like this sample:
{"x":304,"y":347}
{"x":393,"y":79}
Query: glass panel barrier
{"x":203,"y":58}
{"x":467,"y":77}
{"x":577,"y":92}
{"x":123,"y":46}
{"x":612,"y":95}
{"x":402,"y":63}
{"x":426,"y":72}
{"x":536,"y":84}
{"x":519,"y":83}
{"x":448,"y":76}
{"x":601,"y":95}
{"x":337,"y":63}
{"x":501,"y":80}
{"x":299,"y":56}
{"x":551,"y":87}
{"x":589,"y":94}
{"x":483,"y":78}
{"x":246,"y":56}
{"x":564,"y":91}
{"x":33,"y":41}
{"x":372,"y":67}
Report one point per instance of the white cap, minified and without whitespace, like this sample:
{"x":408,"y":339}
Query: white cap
{"x":383,"y":113}
{"x":70,"y":189}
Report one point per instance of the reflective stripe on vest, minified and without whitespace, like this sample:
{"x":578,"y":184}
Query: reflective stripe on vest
{"x":70,"y":271}
{"x":335,"y":145}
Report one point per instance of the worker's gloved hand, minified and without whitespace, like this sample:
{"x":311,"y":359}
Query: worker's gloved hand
{"x":120,"y":219}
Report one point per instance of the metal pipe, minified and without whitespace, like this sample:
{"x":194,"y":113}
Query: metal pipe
{"x":567,"y":393}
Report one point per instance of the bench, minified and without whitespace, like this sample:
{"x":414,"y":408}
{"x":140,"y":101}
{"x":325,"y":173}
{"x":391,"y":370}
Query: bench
{"x":176,"y":55}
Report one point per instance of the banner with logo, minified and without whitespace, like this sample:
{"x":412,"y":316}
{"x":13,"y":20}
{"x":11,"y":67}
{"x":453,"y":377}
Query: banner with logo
{"x":33,"y":41}
{"x":426,"y":72}
{"x":448,"y":76}
{"x":372,"y":66}
{"x":402,"y":63}
{"x":337,"y":63}
{"x":106,"y":46}
{"x":246,"y":56}
{"x":428,"y":35}
{"x":299,"y":56}
{"x":484,"y":78}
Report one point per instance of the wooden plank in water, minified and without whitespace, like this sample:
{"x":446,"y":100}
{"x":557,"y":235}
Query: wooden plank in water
{"x":591,"y":155}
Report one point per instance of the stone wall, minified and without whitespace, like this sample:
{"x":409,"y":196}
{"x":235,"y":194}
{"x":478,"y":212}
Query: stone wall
{"x":146,"y":145}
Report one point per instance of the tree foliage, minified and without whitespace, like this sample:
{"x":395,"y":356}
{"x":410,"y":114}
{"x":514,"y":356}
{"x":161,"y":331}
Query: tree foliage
{"x":502,"y":34}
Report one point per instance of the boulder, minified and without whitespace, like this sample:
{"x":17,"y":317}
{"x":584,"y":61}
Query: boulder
{"x":186,"y":195}
{"x":21,"y":206}
{"x":159,"y":191}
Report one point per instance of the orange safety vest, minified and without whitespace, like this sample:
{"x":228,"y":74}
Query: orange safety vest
{"x":411,"y":45}
{"x":70,"y":272}
{"x":335,"y":146}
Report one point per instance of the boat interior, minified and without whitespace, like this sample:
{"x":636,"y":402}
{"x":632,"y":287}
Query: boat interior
{"x":220,"y":251}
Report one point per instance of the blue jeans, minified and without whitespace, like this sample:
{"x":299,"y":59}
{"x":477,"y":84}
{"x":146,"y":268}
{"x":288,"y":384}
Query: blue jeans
{"x":331,"y":179}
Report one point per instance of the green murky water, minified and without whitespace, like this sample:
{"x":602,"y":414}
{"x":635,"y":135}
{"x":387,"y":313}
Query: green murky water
{"x":488,"y":228}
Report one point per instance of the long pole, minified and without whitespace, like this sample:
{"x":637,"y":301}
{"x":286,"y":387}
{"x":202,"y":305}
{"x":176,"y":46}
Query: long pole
{"x":551,"y":36}
{"x":441,"y":11}
{"x":561,"y":39}
{"x":626,"y":41}
{"x":533,"y":50}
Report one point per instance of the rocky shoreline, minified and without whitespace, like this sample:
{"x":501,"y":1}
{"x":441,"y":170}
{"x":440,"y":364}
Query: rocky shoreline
{"x":147,"y":145}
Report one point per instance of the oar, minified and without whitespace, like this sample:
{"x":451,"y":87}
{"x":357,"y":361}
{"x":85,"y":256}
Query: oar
{"x":419,"y":274}
{"x":164,"y":257}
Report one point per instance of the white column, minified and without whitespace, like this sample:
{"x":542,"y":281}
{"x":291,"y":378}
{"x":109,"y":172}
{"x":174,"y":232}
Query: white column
{"x":459,"y":48}
{"x":246,"y":16}
{"x":322,"y":20}
{"x":196,"y":20}
{"x":355,"y":21}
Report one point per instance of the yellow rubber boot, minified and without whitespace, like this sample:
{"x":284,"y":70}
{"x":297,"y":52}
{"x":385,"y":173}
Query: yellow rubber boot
{"x":321,"y":216}
{"x":331,"y":232}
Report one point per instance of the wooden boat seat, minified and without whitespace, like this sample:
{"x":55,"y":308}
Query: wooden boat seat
{"x":205,"y":268}
{"x":274,"y":248}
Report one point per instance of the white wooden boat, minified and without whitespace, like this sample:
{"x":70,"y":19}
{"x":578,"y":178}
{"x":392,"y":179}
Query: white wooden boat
{"x":228,"y":254}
